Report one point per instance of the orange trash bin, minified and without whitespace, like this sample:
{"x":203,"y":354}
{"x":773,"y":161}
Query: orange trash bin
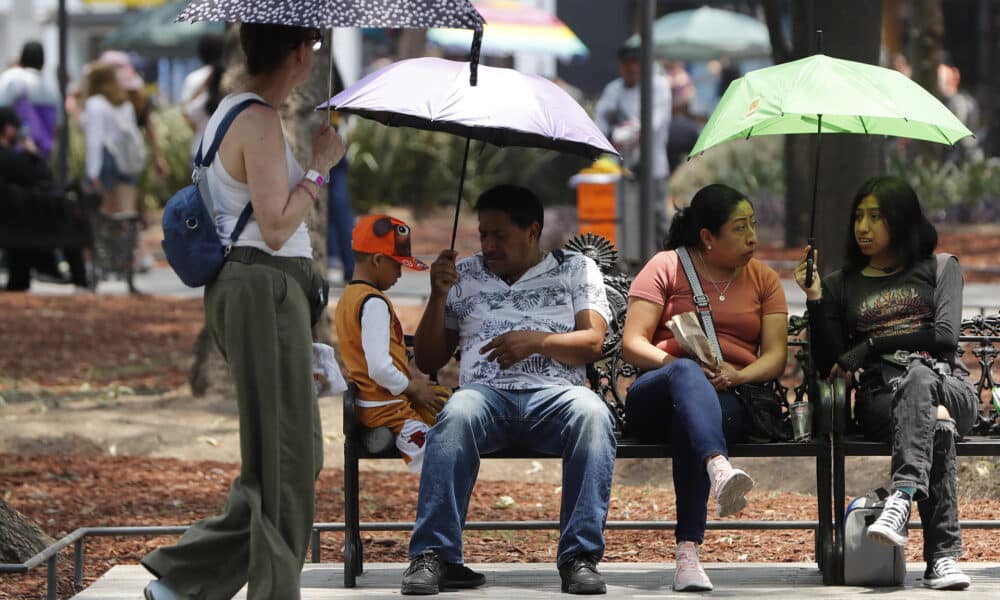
{"x":596,"y":203}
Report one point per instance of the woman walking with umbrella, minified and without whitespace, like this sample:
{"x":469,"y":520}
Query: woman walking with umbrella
{"x":258,"y":311}
{"x":893,"y":316}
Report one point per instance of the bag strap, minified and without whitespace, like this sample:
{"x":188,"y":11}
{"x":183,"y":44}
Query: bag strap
{"x":700,"y":299}
{"x":203,"y":162}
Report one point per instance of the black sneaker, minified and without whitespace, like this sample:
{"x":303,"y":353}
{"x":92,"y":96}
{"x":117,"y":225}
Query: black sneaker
{"x":945,"y":574}
{"x":461,"y":577}
{"x":424,"y":575}
{"x":580,"y":576}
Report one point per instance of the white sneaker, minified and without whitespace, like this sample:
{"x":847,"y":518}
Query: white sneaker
{"x":890,"y":527}
{"x":689,"y":576}
{"x":729,"y":486}
{"x":945,"y":574}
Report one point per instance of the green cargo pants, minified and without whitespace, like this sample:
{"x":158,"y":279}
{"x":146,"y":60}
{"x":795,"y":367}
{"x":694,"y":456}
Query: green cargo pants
{"x":258,"y":314}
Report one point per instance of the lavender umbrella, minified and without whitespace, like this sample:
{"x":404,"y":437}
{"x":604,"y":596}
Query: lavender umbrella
{"x":498,"y":106}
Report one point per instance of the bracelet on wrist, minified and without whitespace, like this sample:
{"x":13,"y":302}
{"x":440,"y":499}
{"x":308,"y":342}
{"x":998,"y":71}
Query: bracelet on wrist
{"x":312,"y":194}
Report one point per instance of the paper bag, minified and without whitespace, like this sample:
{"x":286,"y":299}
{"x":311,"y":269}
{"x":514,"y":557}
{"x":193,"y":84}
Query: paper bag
{"x":687,"y":330}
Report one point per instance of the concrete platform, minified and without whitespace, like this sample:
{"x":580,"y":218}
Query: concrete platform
{"x":772,"y":581}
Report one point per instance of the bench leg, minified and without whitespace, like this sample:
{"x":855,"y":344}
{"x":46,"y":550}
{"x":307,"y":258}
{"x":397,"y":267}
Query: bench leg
{"x":839,"y":503}
{"x":352,"y":525}
{"x":824,"y":508}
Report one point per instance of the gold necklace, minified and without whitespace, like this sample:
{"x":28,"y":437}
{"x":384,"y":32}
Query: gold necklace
{"x":729,"y":282}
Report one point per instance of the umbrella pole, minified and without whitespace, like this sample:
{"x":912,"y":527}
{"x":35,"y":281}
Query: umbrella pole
{"x":329,"y":82}
{"x":477,"y":40}
{"x":811,"y":257}
{"x":461,"y":184}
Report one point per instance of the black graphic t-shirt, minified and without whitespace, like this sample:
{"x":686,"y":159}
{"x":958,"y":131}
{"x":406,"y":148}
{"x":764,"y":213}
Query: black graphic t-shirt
{"x":918,"y":309}
{"x":891,"y":305}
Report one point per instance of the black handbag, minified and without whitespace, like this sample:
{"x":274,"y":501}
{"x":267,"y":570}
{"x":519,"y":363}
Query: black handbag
{"x":765,"y":409}
{"x":765,"y":413}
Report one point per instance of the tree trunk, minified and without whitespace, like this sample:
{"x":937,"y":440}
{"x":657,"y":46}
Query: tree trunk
{"x":412,"y":43}
{"x":209,"y":372}
{"x":20,"y":539}
{"x":851,"y":30}
{"x":927,"y":35}
{"x":991,"y":110}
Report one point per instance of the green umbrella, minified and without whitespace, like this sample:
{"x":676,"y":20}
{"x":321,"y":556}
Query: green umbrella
{"x":157,"y":29}
{"x":820,"y":94}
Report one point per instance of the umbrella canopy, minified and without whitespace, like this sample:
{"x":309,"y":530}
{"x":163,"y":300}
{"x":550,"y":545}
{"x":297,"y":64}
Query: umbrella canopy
{"x":706,"y":33}
{"x":515,"y":27}
{"x":500,"y":106}
{"x":505,"y":108}
{"x":820,"y":94}
{"x":852,"y":97}
{"x":157,"y":30}
{"x":338,"y":13}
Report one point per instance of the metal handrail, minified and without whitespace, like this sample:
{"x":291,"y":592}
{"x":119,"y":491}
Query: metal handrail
{"x":50,"y":554}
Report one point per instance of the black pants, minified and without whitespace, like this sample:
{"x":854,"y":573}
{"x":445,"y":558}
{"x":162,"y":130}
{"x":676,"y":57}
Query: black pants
{"x":903,"y":411}
{"x":20,"y":262}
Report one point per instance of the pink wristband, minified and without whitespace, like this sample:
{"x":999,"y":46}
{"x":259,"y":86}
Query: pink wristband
{"x":302,"y":184}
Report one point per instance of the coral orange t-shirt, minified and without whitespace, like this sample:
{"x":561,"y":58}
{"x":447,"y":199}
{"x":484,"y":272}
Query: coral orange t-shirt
{"x":755,"y":292}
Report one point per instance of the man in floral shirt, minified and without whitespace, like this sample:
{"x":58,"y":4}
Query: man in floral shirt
{"x":526,"y":323}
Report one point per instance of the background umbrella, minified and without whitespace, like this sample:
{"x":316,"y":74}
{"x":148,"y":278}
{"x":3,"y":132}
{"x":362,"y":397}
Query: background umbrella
{"x":341,"y":13}
{"x":820,"y":94}
{"x":515,"y":27}
{"x":706,"y":33}
{"x":157,"y":30}
{"x":338,"y":13}
{"x":501,"y":107}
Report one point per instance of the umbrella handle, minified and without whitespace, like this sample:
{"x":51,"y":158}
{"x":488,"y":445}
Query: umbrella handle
{"x":810,"y":262}
{"x":477,"y":44}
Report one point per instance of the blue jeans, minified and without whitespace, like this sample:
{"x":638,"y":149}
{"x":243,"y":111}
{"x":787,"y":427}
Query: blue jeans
{"x":676,"y":403}
{"x":340,"y":219}
{"x":567,"y":421}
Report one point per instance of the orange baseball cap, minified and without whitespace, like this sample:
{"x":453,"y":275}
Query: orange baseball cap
{"x":382,"y":234}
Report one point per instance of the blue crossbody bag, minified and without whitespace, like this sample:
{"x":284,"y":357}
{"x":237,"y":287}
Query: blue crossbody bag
{"x":190,"y":242}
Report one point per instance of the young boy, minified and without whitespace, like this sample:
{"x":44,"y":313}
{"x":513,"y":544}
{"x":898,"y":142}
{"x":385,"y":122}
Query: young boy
{"x":371,"y":338}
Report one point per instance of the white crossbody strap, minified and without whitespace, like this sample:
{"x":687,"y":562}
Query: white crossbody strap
{"x":700,"y":299}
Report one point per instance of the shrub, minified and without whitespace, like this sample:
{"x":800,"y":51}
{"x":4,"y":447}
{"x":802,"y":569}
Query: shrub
{"x":420,"y":169}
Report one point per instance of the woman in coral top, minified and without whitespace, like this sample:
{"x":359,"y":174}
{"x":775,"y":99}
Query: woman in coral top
{"x":680,"y":400}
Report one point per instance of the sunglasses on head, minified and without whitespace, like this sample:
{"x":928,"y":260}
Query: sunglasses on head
{"x":315,"y":40}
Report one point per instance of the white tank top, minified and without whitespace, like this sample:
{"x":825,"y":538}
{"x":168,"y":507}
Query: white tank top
{"x":229,"y":196}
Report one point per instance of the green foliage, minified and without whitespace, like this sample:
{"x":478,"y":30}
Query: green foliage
{"x":420,"y":169}
{"x":175,"y":138}
{"x":753,"y":166}
{"x":947,"y":186}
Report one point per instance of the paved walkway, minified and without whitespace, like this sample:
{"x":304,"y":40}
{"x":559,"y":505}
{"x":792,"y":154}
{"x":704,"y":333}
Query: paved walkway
{"x":633,"y":581}
{"x":414,"y":288}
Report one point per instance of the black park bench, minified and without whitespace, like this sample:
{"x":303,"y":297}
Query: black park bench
{"x":610,"y":376}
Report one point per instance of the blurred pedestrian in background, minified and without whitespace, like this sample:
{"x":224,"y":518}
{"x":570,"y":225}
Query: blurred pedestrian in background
{"x":617,"y":114}
{"x":33,"y":98}
{"x":202,"y":88}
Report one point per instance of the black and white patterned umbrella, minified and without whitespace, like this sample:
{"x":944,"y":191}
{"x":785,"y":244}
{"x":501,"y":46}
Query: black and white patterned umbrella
{"x":321,"y":14}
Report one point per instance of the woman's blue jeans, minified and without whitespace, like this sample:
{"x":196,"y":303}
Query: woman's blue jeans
{"x":567,"y":421}
{"x":676,"y":403}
